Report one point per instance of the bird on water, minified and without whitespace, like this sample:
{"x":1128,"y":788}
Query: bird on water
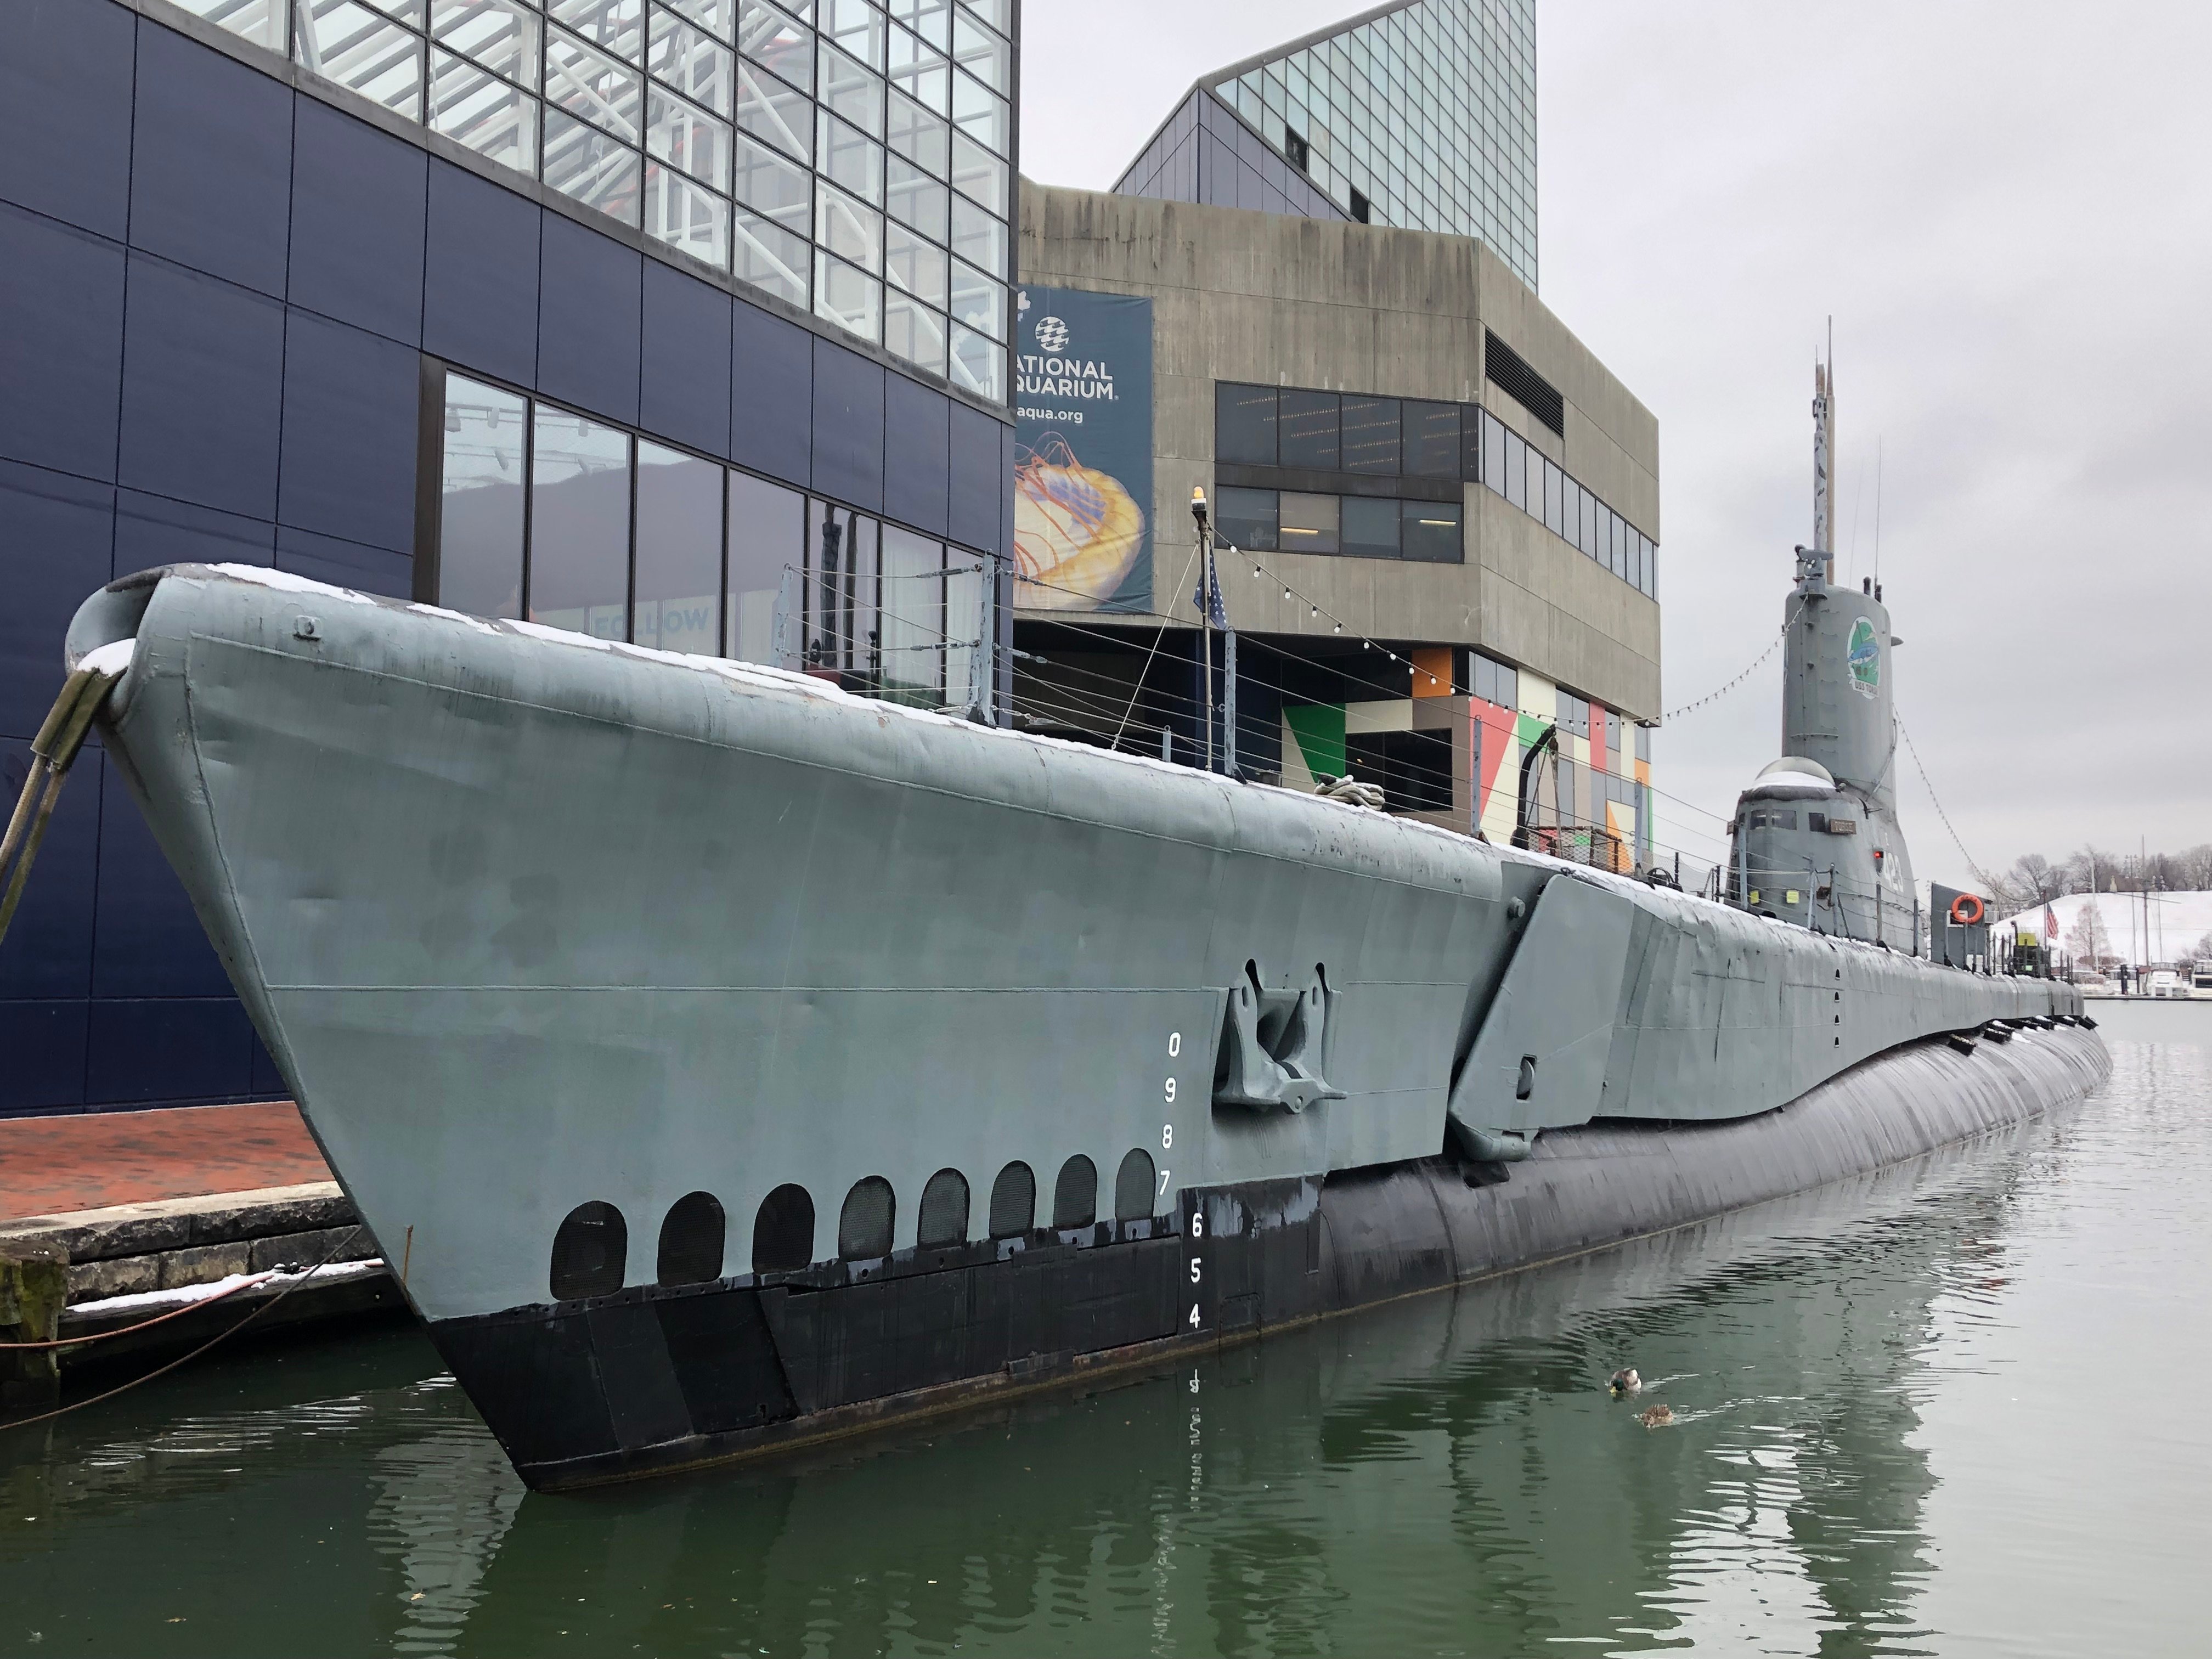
{"x":1625,"y":1382}
{"x":1655,"y":1417}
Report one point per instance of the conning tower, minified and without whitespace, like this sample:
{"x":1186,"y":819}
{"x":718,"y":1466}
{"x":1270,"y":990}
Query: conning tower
{"x":1816,"y":839}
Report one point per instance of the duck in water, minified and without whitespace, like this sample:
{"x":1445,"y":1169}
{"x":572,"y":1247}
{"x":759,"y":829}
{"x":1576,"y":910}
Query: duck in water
{"x":1655,"y":1417}
{"x":1625,"y":1382}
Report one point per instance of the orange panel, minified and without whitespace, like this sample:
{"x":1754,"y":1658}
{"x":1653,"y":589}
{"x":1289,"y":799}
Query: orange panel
{"x":1432,"y":670}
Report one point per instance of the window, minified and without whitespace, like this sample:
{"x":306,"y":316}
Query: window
{"x":944,"y":1217}
{"x":1247,"y":519}
{"x":1494,"y":682}
{"x":691,"y":1241}
{"x":589,"y":1251}
{"x":1429,"y":532}
{"x":1013,"y":1201}
{"x":1307,"y":524}
{"x":1075,"y":1195}
{"x":1370,"y":437}
{"x":1307,"y":432}
{"x":1573,"y":714}
{"x":618,"y":537}
{"x":580,"y":524}
{"x":1370,"y":527}
{"x":1244,"y":424}
{"x":864,"y":1225}
{"x":767,"y":535}
{"x":675,"y":598}
{"x":1644,"y":743}
{"x":481,"y":512}
{"x":783,"y":1231}
{"x":1432,"y":440}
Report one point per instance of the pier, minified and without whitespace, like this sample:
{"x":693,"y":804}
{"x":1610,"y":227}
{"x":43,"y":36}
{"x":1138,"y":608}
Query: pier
{"x":110,"y":1219}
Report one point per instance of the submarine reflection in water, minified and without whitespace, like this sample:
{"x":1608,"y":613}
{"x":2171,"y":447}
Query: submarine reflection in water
{"x":1444,"y":1472}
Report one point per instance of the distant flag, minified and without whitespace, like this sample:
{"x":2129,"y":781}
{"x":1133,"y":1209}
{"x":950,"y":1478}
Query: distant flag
{"x":1207,"y":594}
{"x":2050,"y":925}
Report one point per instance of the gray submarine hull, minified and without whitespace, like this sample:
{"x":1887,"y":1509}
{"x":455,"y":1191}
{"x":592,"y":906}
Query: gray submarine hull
{"x":1071,"y":1058}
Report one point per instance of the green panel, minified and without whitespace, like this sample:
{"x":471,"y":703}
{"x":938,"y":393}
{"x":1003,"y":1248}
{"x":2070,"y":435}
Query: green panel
{"x":1528,"y":728}
{"x":1319,"y":728}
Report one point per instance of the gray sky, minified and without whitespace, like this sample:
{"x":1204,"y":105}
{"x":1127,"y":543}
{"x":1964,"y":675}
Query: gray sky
{"x":2007,"y":208}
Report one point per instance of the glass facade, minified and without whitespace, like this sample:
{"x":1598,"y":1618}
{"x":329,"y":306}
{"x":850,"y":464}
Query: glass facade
{"x":561,"y":518}
{"x":1424,"y":118}
{"x":855,"y":157}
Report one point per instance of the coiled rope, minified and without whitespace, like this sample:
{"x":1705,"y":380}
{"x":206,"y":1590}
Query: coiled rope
{"x":53,"y":752}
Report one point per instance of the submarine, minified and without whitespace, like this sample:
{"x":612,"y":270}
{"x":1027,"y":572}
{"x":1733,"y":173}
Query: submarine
{"x":725,"y":1062}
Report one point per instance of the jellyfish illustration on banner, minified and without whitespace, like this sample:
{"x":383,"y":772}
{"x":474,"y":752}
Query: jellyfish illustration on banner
{"x":1076,"y":531}
{"x":1083,"y":476}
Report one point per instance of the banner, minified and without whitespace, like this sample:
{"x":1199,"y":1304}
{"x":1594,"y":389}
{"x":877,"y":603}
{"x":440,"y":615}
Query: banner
{"x":1082,"y":454}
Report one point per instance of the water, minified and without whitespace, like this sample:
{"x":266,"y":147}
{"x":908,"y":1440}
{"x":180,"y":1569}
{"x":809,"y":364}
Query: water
{"x":1958,"y":1408}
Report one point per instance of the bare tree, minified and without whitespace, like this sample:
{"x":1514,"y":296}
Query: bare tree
{"x":2087,"y":940}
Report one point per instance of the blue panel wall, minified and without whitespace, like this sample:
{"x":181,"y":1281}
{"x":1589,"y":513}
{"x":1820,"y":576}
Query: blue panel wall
{"x":60,"y":291}
{"x":210,"y":163}
{"x":50,"y":941}
{"x":55,"y":535}
{"x":358,"y":198}
{"x":46,"y":1042}
{"x":203,"y":389}
{"x":589,"y":295}
{"x":153,"y":529}
{"x":65,"y":112}
{"x":353,"y":405}
{"x":848,"y":426}
{"x":213,"y":294}
{"x":684,"y":384}
{"x":772,"y":395}
{"x":917,"y":429}
{"x":480,"y":288}
{"x":345,"y":564}
{"x":978,"y":500}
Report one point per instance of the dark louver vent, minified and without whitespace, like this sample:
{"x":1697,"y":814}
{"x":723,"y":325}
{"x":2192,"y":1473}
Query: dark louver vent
{"x":864,"y":1229}
{"x":943,"y":1218}
{"x":1075,"y":1196}
{"x":589,"y":1252}
{"x":1506,"y":369}
{"x":783,"y":1231}
{"x":1013,"y":1201}
{"x":691,"y":1240}
{"x":1132,"y":1186}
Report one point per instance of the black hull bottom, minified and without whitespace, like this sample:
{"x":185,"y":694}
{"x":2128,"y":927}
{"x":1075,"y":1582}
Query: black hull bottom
{"x":653,"y":1380}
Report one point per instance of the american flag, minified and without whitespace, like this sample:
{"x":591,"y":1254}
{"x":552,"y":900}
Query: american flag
{"x":1207,"y":596}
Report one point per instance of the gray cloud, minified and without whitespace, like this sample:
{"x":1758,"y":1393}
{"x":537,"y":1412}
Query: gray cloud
{"x":2007,"y":208}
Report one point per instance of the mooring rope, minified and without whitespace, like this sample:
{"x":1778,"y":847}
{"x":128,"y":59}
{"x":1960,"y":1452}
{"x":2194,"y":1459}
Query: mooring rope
{"x":53,"y":752}
{"x":185,"y":1359}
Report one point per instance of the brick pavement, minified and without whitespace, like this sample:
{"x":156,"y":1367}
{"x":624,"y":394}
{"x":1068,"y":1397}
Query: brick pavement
{"x":90,"y":1160}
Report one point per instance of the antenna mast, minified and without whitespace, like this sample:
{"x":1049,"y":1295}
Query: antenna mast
{"x":1824,"y":458}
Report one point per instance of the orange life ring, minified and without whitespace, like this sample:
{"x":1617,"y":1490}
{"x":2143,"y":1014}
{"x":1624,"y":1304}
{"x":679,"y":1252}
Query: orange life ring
{"x":1961,"y":905}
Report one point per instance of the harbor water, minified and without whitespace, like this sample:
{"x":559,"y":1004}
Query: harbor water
{"x":1959,"y":1407}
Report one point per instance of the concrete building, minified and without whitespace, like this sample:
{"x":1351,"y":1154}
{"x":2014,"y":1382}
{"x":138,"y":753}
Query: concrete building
{"x":1445,"y":510}
{"x":682,"y":323}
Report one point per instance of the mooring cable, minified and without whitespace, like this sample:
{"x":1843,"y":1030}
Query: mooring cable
{"x":53,"y":752}
{"x":177,"y":1312}
{"x":220,"y":1336}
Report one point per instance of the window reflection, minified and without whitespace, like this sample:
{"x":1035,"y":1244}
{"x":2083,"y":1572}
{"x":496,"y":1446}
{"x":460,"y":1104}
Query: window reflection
{"x":768,"y":528}
{"x":914,"y":631}
{"x":679,"y":551}
{"x":480,"y":539}
{"x":580,"y":524}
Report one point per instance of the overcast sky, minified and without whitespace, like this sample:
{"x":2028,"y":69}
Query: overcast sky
{"x":2008,"y":208}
